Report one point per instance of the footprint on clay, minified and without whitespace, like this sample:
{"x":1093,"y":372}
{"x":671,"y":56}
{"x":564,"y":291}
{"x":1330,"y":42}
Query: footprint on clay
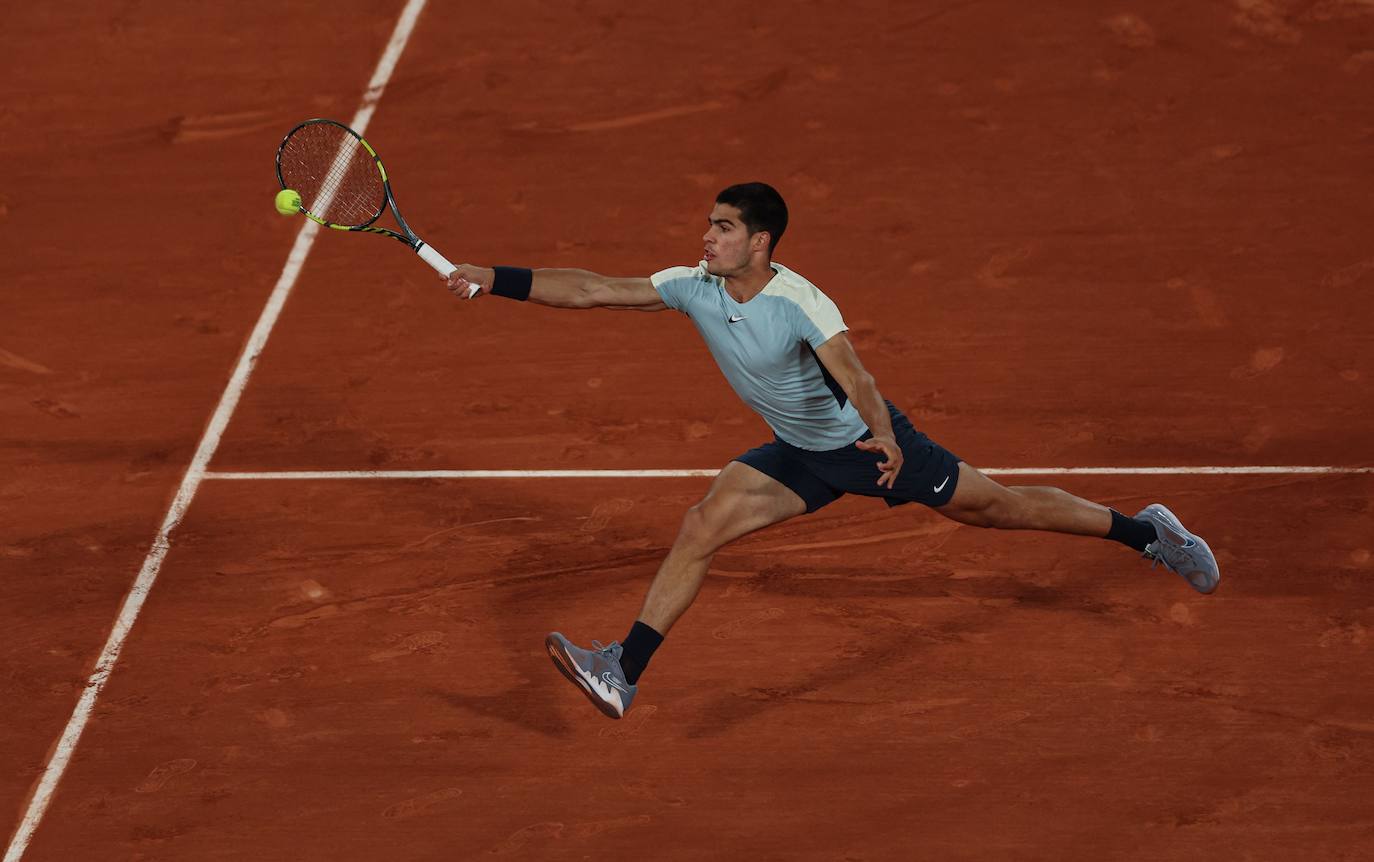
{"x":14,"y":360}
{"x":903,"y":711}
{"x":606,"y":512}
{"x":1352,"y":634}
{"x":1208,"y":309}
{"x":741,"y":625}
{"x":1149,"y":733}
{"x":315,"y":591}
{"x":626,"y":121}
{"x":534,"y":834}
{"x":1357,"y":62}
{"x":630,"y":725}
{"x":1346,"y":276}
{"x":56,"y":408}
{"x":1131,"y":31}
{"x":227,"y":684}
{"x":1262,"y":361}
{"x":597,"y":827}
{"x":211,"y":127}
{"x":163,"y":773}
{"x":1257,"y":439}
{"x":993,"y":724}
{"x":994,"y":272}
{"x":421,"y":642}
{"x":642,"y":789}
{"x":741,"y":588}
{"x":696,"y":431}
{"x":1181,"y":614}
{"x":1265,"y":19}
{"x":422,"y":805}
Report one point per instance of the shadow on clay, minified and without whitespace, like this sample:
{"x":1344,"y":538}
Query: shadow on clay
{"x":529,"y":705}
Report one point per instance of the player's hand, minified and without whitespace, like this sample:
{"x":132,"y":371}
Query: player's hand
{"x":888,"y":448}
{"x":462,"y":280}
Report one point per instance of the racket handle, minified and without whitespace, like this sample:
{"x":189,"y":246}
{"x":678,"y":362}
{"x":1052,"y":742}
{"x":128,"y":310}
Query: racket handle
{"x":441,"y":265}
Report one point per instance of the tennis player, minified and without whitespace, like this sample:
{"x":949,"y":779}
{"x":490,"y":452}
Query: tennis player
{"x":781,"y":344}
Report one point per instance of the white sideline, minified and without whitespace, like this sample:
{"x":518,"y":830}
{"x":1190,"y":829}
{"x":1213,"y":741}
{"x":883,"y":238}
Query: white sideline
{"x":310,"y":475}
{"x":209,"y":442}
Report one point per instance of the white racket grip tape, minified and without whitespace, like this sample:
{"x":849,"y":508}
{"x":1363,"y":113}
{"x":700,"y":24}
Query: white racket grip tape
{"x":441,"y":265}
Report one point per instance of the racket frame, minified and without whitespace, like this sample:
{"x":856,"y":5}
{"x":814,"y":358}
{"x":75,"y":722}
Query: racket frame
{"x":419,"y":246}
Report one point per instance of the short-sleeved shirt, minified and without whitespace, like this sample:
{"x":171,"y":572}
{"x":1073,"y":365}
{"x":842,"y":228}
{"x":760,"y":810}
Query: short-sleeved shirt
{"x":766,"y":348}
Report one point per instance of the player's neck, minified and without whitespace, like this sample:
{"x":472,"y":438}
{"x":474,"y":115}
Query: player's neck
{"x":749,"y":282}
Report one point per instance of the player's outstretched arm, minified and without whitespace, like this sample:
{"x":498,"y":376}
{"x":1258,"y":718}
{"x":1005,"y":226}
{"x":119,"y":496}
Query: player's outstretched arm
{"x":560,"y":288}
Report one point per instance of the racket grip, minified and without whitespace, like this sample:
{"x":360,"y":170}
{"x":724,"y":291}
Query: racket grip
{"x":441,"y":264}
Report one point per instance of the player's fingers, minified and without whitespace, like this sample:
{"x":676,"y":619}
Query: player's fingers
{"x":463,"y":289}
{"x":890,"y":468}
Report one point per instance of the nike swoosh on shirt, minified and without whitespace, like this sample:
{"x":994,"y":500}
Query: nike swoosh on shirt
{"x":940,"y":487}
{"x":736,"y":318}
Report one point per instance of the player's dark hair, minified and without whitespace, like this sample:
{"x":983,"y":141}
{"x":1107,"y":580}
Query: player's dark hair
{"x":760,"y":208}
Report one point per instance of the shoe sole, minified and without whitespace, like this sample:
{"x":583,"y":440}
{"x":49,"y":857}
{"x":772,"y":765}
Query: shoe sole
{"x":1171,"y":521}
{"x":1208,"y":589}
{"x":568,"y":668}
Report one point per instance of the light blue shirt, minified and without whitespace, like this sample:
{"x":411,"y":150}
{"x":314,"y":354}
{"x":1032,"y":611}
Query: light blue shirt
{"x":766,"y":349}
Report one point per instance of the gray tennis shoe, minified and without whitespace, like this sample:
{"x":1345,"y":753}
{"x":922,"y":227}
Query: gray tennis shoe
{"x":596,"y":673}
{"x":1180,"y":551}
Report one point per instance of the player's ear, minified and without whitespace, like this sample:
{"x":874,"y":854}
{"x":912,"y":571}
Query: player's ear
{"x":760,"y":240}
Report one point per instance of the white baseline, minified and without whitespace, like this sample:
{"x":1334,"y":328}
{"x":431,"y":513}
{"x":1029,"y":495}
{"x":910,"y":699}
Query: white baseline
{"x":195,"y":472}
{"x":323,"y":475}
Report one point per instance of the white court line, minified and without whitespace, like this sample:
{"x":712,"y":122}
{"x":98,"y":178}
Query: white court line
{"x":209,"y":442}
{"x":310,"y":475}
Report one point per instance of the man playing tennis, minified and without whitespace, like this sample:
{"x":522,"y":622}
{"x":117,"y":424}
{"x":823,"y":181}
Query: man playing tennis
{"x":781,"y":344}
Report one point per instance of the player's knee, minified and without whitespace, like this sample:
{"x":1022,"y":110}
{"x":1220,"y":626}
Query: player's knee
{"x":987,"y":517}
{"x":699,"y":532}
{"x":1010,"y":511}
{"x":1002,"y":512}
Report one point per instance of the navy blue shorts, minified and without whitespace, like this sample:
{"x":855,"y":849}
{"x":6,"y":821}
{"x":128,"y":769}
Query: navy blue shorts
{"x":929,"y":474}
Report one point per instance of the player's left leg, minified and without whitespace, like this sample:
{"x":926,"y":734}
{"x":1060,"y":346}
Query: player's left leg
{"x":1155,"y":531}
{"x":982,"y":502}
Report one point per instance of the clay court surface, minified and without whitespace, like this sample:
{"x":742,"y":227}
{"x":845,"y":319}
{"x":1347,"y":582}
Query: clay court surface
{"x":1111,"y":236}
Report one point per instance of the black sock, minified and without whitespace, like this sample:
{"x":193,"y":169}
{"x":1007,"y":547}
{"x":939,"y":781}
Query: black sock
{"x":638,"y":646}
{"x":1130,"y":532}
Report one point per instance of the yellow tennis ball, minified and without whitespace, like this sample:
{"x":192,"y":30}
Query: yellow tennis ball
{"x":288,"y":202}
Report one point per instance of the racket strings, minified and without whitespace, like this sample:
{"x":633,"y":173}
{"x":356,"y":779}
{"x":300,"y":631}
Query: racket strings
{"x":336,"y":176}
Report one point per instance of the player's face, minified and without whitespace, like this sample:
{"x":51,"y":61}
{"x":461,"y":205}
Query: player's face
{"x":727,"y":241}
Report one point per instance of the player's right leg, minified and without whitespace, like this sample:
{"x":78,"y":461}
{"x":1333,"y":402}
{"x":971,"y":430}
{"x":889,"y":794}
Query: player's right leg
{"x":742,"y":499}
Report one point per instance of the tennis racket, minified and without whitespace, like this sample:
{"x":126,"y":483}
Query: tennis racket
{"x":343,"y":185}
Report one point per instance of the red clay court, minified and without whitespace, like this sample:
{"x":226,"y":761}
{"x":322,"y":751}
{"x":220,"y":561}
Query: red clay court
{"x":1128,"y":237}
